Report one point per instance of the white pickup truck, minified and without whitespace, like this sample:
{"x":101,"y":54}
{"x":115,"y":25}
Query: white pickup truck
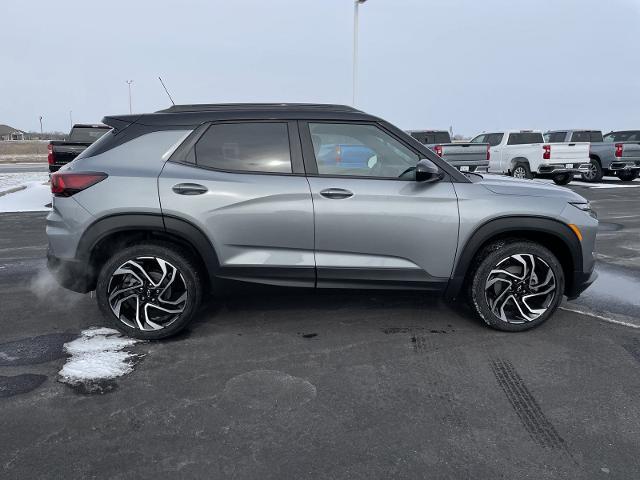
{"x":523,"y":154}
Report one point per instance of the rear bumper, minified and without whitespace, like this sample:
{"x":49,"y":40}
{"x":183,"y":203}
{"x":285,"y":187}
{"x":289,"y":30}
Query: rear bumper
{"x":580,"y":282}
{"x":552,"y":169}
{"x":470,"y":163}
{"x":71,"y":274}
{"x":619,"y":165}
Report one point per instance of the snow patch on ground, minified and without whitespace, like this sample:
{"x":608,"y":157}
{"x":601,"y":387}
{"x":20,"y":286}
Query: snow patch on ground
{"x":31,"y":199}
{"x":96,"y":356}
{"x":16,"y":179}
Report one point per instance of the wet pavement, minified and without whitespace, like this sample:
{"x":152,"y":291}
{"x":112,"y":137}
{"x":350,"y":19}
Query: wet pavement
{"x":272,"y":383}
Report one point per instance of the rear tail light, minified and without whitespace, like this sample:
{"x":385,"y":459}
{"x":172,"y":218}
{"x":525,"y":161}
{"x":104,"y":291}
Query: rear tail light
{"x":546,"y":154}
{"x":438,"y":150}
{"x":50,"y":157}
{"x":65,"y":184}
{"x":619,"y":150}
{"x":488,"y":152}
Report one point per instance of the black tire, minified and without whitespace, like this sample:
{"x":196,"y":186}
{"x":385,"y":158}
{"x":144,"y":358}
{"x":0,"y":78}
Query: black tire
{"x":188,"y":279}
{"x":503,"y":251}
{"x":563,"y":178}
{"x":595,"y":172}
{"x":628,"y":175}
{"x":521,"y":170}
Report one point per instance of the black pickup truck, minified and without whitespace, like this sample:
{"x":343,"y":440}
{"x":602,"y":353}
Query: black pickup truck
{"x":61,"y":152}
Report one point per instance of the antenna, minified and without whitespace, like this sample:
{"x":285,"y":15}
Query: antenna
{"x":165,"y":89}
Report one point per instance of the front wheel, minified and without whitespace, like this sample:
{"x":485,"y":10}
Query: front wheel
{"x":628,"y":175}
{"x":563,"y":178}
{"x":149,"y":291}
{"x":517,"y":285}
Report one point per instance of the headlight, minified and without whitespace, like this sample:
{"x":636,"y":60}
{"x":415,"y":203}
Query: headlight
{"x":585,"y":207}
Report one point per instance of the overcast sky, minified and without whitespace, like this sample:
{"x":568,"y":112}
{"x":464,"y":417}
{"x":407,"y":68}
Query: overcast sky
{"x":476,"y":65}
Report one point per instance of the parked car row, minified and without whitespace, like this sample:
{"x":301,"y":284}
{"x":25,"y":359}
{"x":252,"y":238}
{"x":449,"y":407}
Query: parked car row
{"x":558,"y":154}
{"x":614,"y":154}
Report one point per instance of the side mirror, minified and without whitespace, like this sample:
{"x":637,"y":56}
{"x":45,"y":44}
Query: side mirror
{"x":428,"y":172}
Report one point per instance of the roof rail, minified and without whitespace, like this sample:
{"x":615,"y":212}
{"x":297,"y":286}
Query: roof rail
{"x":207,"y":107}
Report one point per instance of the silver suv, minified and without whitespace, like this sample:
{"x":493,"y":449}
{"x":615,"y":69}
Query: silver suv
{"x":167,"y":206}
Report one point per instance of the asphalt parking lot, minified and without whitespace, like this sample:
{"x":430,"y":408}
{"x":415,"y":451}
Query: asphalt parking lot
{"x":282,"y":384}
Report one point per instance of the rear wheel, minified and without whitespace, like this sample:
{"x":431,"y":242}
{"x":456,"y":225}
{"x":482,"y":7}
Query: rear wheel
{"x":521,"y":170}
{"x":517,"y":285}
{"x":628,"y":175}
{"x":594,"y":173}
{"x":149,"y":291}
{"x":563,"y":178}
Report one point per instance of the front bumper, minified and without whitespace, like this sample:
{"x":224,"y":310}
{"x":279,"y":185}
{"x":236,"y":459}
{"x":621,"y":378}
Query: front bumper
{"x":71,"y":274}
{"x":580,"y":282}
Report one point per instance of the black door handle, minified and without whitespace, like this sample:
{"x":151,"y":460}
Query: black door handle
{"x":336,"y":193}
{"x":189,"y":189}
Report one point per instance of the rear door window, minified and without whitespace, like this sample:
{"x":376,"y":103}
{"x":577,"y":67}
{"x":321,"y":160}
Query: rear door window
{"x":522,"y":138}
{"x":245,"y":147}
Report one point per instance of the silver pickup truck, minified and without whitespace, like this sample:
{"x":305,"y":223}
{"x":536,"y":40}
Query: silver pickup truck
{"x":615,"y":154}
{"x":466,"y":157}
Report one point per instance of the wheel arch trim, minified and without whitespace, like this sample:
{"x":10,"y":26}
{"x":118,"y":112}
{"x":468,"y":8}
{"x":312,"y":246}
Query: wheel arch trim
{"x":149,"y":223}
{"x":516,"y":225}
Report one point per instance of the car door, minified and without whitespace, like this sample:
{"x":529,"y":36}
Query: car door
{"x":375,"y":226}
{"x":243,"y":185}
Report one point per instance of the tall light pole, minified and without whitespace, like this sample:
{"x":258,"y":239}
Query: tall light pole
{"x":356,"y":5}
{"x":71,"y":118}
{"x":129,"y":82}
{"x":40,"y":124}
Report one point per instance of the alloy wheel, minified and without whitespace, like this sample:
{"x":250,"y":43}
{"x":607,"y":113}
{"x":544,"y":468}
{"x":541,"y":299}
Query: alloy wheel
{"x":520,"y":172}
{"x":147,"y":293}
{"x":591,"y":173}
{"x":520,"y":288}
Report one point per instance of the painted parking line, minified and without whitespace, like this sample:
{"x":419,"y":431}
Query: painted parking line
{"x":578,"y":183}
{"x":601,"y":317}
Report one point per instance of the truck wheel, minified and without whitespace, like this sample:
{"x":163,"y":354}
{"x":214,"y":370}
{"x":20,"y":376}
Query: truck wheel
{"x":516,"y":285}
{"x":628,"y":175}
{"x":563,"y":178}
{"x":149,"y":291}
{"x":594,"y":174}
{"x":521,"y":170}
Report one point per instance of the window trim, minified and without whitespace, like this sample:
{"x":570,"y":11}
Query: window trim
{"x":181,"y":154}
{"x":311,"y":163}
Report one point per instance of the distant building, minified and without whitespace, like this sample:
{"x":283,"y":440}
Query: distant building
{"x":10,"y":133}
